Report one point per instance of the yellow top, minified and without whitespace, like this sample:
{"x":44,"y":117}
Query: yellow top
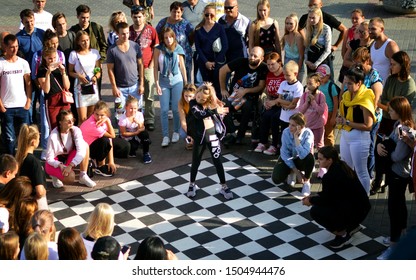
{"x":364,"y":97}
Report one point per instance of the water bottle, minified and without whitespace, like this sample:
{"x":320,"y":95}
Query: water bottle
{"x":118,"y":107}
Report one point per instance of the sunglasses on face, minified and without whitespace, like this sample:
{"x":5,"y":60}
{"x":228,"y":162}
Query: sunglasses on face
{"x":228,"y":8}
{"x":209,"y":15}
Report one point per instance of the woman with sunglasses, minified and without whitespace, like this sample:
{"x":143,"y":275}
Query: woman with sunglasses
{"x":183,"y":30}
{"x":67,"y":149}
{"x":211,"y":56}
{"x":363,"y":40}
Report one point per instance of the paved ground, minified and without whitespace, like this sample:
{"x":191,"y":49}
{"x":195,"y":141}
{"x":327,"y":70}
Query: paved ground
{"x":398,"y":27}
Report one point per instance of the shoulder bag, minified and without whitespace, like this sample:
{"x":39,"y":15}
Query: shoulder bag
{"x":86,"y":89}
{"x":67,"y":96}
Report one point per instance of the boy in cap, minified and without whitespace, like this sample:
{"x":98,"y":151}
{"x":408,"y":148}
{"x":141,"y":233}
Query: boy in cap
{"x":331,"y":91}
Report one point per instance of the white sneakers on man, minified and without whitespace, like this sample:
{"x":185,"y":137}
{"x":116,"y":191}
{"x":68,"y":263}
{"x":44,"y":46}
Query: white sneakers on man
{"x":165,"y":141}
{"x":175,"y":137}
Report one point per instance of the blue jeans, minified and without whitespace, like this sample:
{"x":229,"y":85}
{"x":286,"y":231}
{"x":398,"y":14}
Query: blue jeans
{"x":44,"y":124}
{"x":13,"y":117}
{"x":371,"y":158}
{"x":126,"y":91}
{"x":171,"y":94}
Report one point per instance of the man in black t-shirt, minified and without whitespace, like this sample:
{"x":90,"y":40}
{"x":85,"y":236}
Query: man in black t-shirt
{"x":247,"y":84}
{"x":329,"y":20}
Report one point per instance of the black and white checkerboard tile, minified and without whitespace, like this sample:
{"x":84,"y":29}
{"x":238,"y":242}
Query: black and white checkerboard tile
{"x":261,"y":222}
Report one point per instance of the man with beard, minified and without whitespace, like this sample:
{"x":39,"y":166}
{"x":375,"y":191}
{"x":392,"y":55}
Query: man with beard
{"x":382,"y":48}
{"x":248,"y":83}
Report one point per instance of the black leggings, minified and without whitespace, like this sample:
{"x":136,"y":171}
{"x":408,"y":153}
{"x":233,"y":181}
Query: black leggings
{"x":397,"y":204}
{"x":213,"y":143}
{"x":144,"y":140}
{"x":100,"y":148}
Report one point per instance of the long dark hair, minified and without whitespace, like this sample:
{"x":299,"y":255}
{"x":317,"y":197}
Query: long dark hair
{"x":402,"y":107}
{"x":403,"y":59}
{"x":329,"y":152}
{"x":151,"y":248}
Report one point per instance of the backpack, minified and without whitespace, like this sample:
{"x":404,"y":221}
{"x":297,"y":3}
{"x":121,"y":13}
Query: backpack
{"x":325,"y":114}
{"x":330,"y":92}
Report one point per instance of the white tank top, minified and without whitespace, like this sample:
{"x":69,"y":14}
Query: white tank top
{"x":380,"y":62}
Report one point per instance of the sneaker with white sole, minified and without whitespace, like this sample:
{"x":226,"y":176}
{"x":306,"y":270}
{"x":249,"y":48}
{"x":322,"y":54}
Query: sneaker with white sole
{"x":340,"y":241}
{"x":306,"y":189}
{"x":85,"y":180}
{"x":271,"y":151}
{"x":175,"y":137}
{"x":226,"y":192}
{"x":147,"y":158}
{"x":56,"y":183}
{"x":165,"y":141}
{"x":260,"y":148}
{"x":386,"y":254}
{"x":103,"y":171}
{"x":291,"y":179}
{"x":192,"y":190}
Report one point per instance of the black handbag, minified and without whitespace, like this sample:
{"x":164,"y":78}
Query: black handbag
{"x":87,"y":89}
{"x":315,"y":52}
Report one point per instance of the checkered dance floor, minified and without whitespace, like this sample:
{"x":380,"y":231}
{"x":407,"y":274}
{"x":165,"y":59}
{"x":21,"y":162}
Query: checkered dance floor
{"x":262,"y":222}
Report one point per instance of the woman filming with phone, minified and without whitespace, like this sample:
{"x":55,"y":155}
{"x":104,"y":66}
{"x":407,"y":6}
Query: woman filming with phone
{"x":296,"y":159}
{"x":395,"y":154}
{"x":53,"y":78}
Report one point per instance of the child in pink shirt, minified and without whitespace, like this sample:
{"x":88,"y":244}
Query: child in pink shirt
{"x":313,"y":106}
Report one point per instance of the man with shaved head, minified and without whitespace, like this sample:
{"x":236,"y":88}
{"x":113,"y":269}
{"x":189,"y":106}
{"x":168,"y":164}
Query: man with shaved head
{"x":248,"y":83}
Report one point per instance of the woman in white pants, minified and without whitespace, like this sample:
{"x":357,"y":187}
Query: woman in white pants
{"x":356,"y":119}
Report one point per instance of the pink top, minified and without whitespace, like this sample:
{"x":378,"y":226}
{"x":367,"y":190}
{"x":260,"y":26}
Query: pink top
{"x":314,"y":110}
{"x":90,"y":131}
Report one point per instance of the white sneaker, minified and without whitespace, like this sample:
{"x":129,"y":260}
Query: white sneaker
{"x":175,"y":137}
{"x":260,"y":148}
{"x":386,"y":254}
{"x":192,"y":190}
{"x":226,"y":192}
{"x":165,"y":141}
{"x":56,"y":182}
{"x":306,"y":189}
{"x":85,"y":180}
{"x":291,"y":179}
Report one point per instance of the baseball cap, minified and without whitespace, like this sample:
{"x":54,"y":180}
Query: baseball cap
{"x":323,"y":70}
{"x":106,"y":248}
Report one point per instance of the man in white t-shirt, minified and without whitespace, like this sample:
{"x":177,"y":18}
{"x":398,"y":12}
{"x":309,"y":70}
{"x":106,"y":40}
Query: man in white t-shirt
{"x":15,"y":92}
{"x":43,"y":19}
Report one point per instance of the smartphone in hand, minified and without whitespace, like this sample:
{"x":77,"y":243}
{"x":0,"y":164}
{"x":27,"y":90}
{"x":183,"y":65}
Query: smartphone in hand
{"x":125,"y":248}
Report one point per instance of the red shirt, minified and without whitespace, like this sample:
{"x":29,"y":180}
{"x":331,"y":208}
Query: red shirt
{"x":147,"y":40}
{"x":273,"y":83}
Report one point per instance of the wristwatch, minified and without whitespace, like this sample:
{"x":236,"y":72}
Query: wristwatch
{"x":347,"y":122}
